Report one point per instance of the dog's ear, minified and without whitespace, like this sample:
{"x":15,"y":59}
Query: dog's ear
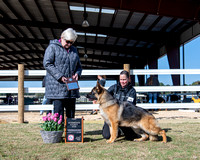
{"x":99,"y":88}
{"x":99,"y":85}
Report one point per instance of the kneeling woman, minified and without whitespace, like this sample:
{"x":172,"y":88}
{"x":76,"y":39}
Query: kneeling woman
{"x":122,"y":91}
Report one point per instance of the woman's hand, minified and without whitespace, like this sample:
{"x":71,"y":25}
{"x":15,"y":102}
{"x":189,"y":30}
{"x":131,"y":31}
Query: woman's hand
{"x":94,"y":102}
{"x":63,"y":79}
{"x":75,"y":76}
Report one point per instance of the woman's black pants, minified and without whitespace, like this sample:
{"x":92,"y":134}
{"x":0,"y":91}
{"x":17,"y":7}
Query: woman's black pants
{"x":126,"y":131}
{"x":68,"y":104}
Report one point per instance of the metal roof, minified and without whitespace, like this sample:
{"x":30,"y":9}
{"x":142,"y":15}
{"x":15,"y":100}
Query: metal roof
{"x":120,"y":31}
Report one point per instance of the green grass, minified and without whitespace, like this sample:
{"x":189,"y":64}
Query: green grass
{"x":24,"y":142}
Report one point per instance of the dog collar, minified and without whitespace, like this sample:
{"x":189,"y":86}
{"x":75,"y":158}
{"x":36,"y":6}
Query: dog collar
{"x":108,"y":103}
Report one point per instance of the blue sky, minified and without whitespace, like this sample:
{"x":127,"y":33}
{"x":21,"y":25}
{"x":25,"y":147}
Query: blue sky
{"x":192,"y":58}
{"x":192,"y":61}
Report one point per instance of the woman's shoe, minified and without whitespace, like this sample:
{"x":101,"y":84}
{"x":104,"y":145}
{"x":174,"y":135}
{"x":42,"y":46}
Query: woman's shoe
{"x":93,"y":112}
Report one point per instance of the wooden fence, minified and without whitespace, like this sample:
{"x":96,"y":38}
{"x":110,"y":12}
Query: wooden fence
{"x":139,"y":89}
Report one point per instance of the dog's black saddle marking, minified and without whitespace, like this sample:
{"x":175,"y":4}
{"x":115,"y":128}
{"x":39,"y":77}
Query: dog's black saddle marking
{"x":132,"y":112}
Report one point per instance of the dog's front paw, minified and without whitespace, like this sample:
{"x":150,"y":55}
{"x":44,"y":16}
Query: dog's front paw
{"x":109,"y":141}
{"x":164,"y":141}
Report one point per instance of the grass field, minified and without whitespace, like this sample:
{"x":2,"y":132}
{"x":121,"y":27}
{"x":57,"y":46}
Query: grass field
{"x":24,"y":142}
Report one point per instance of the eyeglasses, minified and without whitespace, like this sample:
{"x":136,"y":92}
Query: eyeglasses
{"x":68,"y":42}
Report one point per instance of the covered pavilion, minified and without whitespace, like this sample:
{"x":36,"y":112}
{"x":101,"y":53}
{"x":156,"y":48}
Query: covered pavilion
{"x":114,"y":32}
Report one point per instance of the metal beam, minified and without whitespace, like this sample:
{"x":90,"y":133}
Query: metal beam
{"x":185,"y":9}
{"x":138,"y":51}
{"x":141,"y":35}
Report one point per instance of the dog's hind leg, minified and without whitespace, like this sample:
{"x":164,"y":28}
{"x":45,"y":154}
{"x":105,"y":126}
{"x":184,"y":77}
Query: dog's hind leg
{"x":155,"y":131}
{"x":143,"y":135}
{"x":113,"y":132}
{"x":163,"y":134}
{"x":150,"y":126}
{"x":153,"y":137}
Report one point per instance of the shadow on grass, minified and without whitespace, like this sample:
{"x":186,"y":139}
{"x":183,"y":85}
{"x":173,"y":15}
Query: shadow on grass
{"x":97,"y":132}
{"x":87,"y":139}
{"x":122,"y":139}
{"x":91,"y":133}
{"x":169,"y":139}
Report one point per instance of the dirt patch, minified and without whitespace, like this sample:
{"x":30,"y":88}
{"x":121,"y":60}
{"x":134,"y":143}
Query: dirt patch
{"x":3,"y":122}
{"x":35,"y":117}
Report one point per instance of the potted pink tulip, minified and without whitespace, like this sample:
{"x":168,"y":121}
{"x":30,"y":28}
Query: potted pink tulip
{"x":53,"y":128}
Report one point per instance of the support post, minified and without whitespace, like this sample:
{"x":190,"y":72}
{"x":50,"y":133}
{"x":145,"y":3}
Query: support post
{"x":173,"y":55}
{"x":20,"y":93}
{"x":127,"y":67}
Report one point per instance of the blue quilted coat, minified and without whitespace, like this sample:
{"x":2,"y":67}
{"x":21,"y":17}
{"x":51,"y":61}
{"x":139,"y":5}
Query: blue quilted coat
{"x":59,"y":62}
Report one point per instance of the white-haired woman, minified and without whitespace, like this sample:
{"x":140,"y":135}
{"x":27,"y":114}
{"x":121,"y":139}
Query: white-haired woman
{"x":61,"y":61}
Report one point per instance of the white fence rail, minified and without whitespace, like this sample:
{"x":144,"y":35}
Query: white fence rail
{"x":138,"y":89}
{"x":95,"y":106}
{"x":108,"y":72}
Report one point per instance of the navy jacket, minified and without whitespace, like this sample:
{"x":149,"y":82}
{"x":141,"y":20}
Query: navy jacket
{"x":58,"y":63}
{"x":102,"y":82}
{"x":123,"y":94}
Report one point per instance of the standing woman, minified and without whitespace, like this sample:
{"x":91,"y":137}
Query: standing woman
{"x":61,"y":61}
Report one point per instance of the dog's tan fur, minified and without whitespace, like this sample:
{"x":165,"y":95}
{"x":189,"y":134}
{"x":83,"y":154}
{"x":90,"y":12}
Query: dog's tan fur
{"x":114,"y":115}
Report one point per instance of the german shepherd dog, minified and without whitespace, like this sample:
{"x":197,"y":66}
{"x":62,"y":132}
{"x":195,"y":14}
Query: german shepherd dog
{"x":127,"y":115}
